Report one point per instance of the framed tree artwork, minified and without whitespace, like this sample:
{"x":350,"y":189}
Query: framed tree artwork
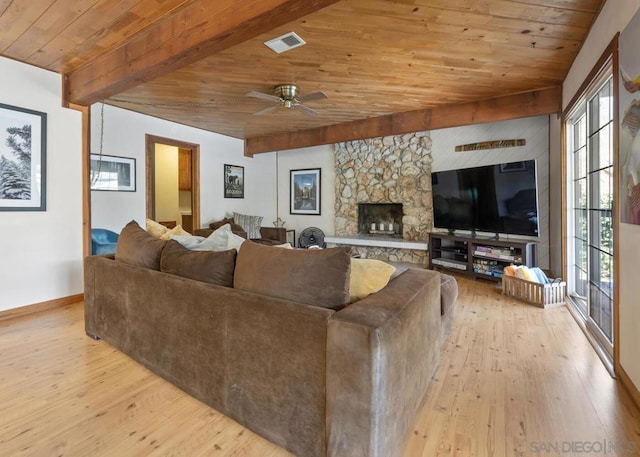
{"x":113,"y":173}
{"x":23,"y":154}
{"x":305,"y":191}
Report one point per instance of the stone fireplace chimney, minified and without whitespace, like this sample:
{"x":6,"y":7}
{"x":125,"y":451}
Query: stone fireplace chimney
{"x":382,"y":170}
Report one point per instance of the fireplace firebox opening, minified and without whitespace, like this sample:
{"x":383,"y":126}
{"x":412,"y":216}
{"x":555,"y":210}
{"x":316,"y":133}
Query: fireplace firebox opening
{"x":380,"y":219}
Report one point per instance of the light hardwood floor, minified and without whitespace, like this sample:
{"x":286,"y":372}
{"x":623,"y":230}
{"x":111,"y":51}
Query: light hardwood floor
{"x":514,"y":380}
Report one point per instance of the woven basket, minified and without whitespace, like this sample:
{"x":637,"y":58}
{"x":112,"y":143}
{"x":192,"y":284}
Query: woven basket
{"x":542,"y":295}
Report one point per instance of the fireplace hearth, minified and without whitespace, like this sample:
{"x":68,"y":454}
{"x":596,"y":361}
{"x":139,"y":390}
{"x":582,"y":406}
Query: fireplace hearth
{"x":380,"y":219}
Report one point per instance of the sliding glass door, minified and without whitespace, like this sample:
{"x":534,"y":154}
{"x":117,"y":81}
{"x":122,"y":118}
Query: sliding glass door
{"x":590,"y":192}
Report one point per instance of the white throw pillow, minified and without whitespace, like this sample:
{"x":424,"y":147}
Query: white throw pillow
{"x":217,"y":241}
{"x":188,"y":241}
{"x":250,"y":224}
{"x":234,"y":241}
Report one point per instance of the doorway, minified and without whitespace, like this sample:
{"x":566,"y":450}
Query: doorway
{"x":173,"y":182}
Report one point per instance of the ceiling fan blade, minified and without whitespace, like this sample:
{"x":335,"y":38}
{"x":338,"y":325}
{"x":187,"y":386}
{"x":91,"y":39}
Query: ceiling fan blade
{"x":265,"y":111}
{"x":262,"y":96}
{"x":313,"y":96}
{"x":305,"y":109}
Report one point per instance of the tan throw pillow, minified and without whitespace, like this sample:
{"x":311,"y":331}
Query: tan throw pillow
{"x":176,"y":231}
{"x":368,"y":276}
{"x":137,"y":247}
{"x":155,"y":229}
{"x":214,"y":267}
{"x":319,"y":278}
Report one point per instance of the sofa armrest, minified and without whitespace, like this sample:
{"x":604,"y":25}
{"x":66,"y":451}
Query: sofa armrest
{"x":278,"y":234}
{"x":381,"y":354}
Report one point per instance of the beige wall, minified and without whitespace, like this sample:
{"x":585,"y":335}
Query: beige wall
{"x":167,"y":196}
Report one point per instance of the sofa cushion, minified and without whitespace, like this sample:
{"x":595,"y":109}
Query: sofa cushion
{"x":250,"y":224}
{"x":315,"y":277}
{"x":367,"y":277}
{"x":207,"y":266}
{"x":137,"y":247}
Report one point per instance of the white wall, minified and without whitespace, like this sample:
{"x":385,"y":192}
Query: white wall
{"x":535,"y":130}
{"x":124,"y":135}
{"x":314,"y":157}
{"x":42,"y":251}
{"x":613,"y":18}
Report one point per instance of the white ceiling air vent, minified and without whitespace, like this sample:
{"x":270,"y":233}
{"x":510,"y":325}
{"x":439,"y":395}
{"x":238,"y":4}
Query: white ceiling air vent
{"x":285,"y":42}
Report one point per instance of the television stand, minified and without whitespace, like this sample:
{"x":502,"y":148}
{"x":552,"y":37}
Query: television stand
{"x":479,"y":258}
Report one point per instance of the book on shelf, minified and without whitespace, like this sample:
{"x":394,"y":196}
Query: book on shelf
{"x":450,"y":263}
{"x":495,"y":251}
{"x":508,"y":257}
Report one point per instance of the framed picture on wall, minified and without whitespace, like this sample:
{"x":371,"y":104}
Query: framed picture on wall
{"x":305,"y":191}
{"x":233,"y":181}
{"x":113,"y":173}
{"x":23,"y":159}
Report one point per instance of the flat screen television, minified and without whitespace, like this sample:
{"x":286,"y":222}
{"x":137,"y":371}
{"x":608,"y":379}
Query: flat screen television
{"x":500,"y":199}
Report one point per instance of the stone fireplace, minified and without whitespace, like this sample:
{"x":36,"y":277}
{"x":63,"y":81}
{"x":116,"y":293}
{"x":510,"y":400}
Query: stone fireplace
{"x":393,"y":169}
{"x":380,"y":219}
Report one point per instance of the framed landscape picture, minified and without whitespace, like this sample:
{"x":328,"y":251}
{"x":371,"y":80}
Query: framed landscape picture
{"x":23,"y":154}
{"x":233,"y":181}
{"x":305,"y":191}
{"x":113,"y":173}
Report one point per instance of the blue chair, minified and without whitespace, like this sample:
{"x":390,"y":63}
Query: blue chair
{"x":103,"y":241}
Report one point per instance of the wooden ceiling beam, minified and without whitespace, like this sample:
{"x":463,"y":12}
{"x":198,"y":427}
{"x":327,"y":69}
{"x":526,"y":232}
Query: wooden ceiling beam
{"x":534,"y":103}
{"x":192,"y":33}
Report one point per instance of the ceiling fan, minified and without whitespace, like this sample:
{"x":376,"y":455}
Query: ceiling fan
{"x":286,"y":95}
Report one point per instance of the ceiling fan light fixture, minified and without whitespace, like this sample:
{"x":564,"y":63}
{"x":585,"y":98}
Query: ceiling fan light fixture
{"x":285,"y":42}
{"x":286,"y":95}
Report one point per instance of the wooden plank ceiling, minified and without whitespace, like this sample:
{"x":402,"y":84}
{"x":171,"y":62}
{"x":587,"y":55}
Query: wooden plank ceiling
{"x":193,"y":61}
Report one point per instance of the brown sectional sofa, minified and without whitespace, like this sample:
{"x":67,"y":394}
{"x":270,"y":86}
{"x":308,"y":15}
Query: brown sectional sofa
{"x":317,"y":381}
